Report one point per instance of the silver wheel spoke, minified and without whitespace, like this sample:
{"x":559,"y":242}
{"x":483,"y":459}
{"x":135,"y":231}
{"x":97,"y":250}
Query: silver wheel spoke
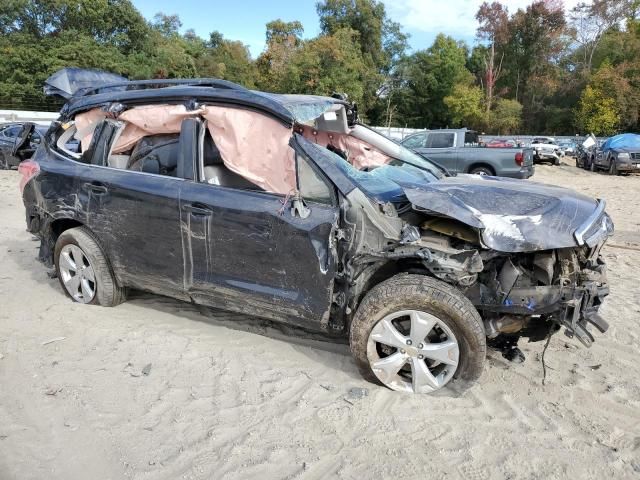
{"x":89,"y":275}
{"x":67,"y":263}
{"x":421,"y":325}
{"x":73,"y":284}
{"x":444,"y":352}
{"x":87,"y":291}
{"x":388,"y":367}
{"x":384,"y":332}
{"x":78,"y":256}
{"x":422,"y":379}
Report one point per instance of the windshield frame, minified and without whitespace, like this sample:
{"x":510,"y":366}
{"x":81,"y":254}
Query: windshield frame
{"x":385,"y":145}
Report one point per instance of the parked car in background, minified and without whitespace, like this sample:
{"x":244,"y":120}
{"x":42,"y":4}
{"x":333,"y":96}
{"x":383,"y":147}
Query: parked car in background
{"x":567,"y":147}
{"x":586,"y":151}
{"x":287,"y":208}
{"x":458,"y":151}
{"x":618,"y":154}
{"x":546,"y":150}
{"x":498,"y":143}
{"x":22,"y":136}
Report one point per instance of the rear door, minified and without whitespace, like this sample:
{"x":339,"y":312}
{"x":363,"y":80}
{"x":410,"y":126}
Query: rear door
{"x":134,"y":216}
{"x":250,"y":251}
{"x":440,"y":147}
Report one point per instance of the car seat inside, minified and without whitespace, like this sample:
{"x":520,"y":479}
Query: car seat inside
{"x":156,"y":154}
{"x":216,"y":172}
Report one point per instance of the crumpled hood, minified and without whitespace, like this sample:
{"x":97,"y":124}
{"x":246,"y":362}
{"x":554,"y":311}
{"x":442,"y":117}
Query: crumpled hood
{"x":513,"y":215}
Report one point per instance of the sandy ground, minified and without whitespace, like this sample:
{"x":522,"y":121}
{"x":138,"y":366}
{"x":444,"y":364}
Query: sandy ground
{"x":233,"y":397}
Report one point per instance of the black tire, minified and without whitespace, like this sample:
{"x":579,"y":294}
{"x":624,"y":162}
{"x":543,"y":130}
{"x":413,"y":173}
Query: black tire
{"x":592,"y":165}
{"x":107,"y":292}
{"x":4,"y":164}
{"x":409,"y":291}
{"x":482,"y":171}
{"x":556,"y":161}
{"x":613,"y":167}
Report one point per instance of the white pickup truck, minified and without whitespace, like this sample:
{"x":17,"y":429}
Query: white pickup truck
{"x":546,"y":150}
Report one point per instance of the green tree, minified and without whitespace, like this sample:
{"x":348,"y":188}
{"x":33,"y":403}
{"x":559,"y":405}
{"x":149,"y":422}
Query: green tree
{"x":536,"y":40}
{"x":465,"y":105}
{"x":506,"y":117}
{"x":287,"y":33}
{"x":327,"y":64}
{"x":597,"y":113}
{"x":382,"y":44}
{"x":227,"y":59}
{"x":283,"y":39}
{"x":428,"y":77}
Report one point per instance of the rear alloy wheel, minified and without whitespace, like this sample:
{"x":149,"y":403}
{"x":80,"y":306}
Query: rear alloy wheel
{"x":83,"y":270}
{"x":482,"y":171}
{"x":413,"y":333}
{"x":77,"y":274}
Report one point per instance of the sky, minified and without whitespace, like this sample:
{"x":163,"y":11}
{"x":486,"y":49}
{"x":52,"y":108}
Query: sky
{"x":245,"y":20}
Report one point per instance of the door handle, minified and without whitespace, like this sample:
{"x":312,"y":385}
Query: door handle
{"x":197,"y":210}
{"x":97,"y":188}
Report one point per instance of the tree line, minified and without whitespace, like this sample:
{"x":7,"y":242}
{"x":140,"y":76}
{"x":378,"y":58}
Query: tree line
{"x":538,"y":69}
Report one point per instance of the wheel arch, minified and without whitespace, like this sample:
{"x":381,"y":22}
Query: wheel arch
{"x":379,"y":273}
{"x":481,"y":165}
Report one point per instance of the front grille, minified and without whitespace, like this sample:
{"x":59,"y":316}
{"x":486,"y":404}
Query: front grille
{"x":635,"y":155}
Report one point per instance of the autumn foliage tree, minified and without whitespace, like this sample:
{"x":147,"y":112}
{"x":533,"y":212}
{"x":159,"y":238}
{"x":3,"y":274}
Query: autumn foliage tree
{"x":536,"y":69}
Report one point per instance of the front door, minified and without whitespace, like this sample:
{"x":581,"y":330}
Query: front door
{"x":248,"y":251}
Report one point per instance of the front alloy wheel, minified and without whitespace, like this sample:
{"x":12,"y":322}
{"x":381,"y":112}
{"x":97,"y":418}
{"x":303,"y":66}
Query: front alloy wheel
{"x":413,"y":351}
{"x":414,"y":333}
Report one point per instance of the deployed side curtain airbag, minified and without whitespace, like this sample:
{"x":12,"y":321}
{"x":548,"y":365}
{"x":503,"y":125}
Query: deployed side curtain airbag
{"x":254,"y":146}
{"x":359,"y":153}
{"x":86,"y":123}
{"x":251,"y":144}
{"x":139,"y":122}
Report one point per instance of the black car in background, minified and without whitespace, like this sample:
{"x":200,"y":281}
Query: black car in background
{"x":287,"y":208}
{"x":18,"y":141}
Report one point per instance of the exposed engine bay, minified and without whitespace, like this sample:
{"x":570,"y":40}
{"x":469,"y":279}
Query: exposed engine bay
{"x":518,"y":294}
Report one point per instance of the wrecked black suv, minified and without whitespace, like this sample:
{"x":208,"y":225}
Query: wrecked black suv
{"x":285,"y":207}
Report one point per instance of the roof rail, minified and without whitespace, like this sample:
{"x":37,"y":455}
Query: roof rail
{"x":160,"y":83}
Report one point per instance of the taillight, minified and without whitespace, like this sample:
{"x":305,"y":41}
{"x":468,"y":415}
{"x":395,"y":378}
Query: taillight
{"x":519,"y":159}
{"x":28,"y":169}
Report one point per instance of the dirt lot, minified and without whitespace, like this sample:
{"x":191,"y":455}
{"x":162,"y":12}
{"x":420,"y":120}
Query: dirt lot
{"x":225,"y":396}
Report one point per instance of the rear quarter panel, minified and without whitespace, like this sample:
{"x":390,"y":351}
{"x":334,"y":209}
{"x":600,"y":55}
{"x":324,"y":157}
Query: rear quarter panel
{"x":502,"y":160}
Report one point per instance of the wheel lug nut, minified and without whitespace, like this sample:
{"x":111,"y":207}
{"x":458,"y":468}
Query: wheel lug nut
{"x":420,"y":346}
{"x":420,"y":357}
{"x":409,"y":342}
{"x":402,"y":350}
